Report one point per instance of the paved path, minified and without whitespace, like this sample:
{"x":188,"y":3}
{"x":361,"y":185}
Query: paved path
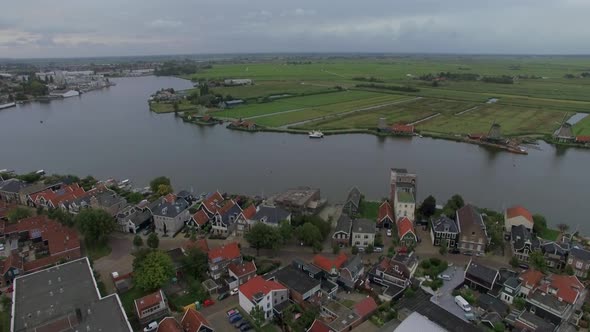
{"x":425,"y":119}
{"x":444,"y":297}
{"x":349,"y":112}
{"x":467,"y":110}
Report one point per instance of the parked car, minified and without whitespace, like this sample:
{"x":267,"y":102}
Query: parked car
{"x":235,"y":318}
{"x":378,"y":249}
{"x":245,"y":327}
{"x":361,"y":249}
{"x":389,"y":232}
{"x":147,"y":231}
{"x":240,"y":324}
{"x":468,"y":253}
{"x":479,"y":254}
{"x":151,"y":327}
{"x":222,"y":296}
{"x":461,"y":302}
{"x":523,"y":266}
{"x":444,"y":277}
{"x":455,"y":251}
{"x":232,"y":312}
{"x":208,"y":303}
{"x":234,"y":291}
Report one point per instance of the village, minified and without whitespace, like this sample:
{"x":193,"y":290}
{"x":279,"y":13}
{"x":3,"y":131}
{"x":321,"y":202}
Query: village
{"x":95,"y":255}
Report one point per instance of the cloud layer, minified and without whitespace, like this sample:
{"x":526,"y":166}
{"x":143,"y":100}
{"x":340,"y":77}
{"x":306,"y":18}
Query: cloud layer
{"x":37,"y":28}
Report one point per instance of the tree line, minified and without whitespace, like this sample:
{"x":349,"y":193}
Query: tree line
{"x":389,"y":87}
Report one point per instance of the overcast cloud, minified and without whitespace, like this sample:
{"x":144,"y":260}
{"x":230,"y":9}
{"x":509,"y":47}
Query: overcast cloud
{"x":68,"y":28}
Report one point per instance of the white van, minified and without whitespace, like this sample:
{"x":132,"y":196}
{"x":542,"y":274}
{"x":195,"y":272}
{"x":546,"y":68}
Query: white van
{"x":462,"y":303}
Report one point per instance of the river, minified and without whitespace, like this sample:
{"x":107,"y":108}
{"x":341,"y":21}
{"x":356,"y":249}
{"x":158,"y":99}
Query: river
{"x":111,"y":133}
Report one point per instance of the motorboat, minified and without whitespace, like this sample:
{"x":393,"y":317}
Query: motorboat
{"x":316,"y":134}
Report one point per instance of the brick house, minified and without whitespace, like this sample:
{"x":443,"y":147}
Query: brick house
{"x":579,"y":260}
{"x":265,"y":294}
{"x":473,"y":235}
{"x":152,"y":307}
{"x":220,"y":257}
{"x":240,"y":273}
{"x":341,"y":235}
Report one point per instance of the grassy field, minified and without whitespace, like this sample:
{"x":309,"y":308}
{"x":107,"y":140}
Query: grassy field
{"x":583,"y":127}
{"x":169,"y":108}
{"x":271,"y":88}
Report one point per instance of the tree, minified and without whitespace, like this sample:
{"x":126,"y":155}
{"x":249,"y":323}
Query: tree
{"x":539,"y":224}
{"x":18,"y":213}
{"x":88,"y":182}
{"x":195,"y":263}
{"x":563,"y":227}
{"x":153,"y":271}
{"x":370,"y":249}
{"x":263,"y":236}
{"x":519,"y":303}
{"x":537,"y":259}
{"x":257,"y":315}
{"x":62,"y":217}
{"x":354,"y":250}
{"x":335,"y":249}
{"x":164,"y":189}
{"x":569,"y":270}
{"x":499,"y":327}
{"x":95,"y":225}
{"x":514,"y":261}
{"x":428,"y":207}
{"x":286,"y":230}
{"x":309,"y":234}
{"x":175,"y":107}
{"x":443,"y":247}
{"x":137,"y":241}
{"x":153,"y":241}
{"x":453,"y":204}
{"x":160,"y":180}
{"x":134,"y":198}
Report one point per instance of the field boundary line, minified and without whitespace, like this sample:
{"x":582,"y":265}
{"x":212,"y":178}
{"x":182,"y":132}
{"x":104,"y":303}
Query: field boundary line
{"x":424,"y":119}
{"x":467,"y":110}
{"x":275,"y":113}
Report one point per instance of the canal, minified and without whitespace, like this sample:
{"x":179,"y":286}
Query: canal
{"x":111,"y":133}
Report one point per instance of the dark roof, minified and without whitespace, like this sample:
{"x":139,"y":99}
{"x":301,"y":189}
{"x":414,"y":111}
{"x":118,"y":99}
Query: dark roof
{"x":445,"y":224}
{"x":470,"y":221}
{"x":354,"y":265}
{"x":363,"y":226}
{"x":512,"y":282}
{"x":354,"y":196}
{"x":444,"y":318}
{"x":580,"y":253}
{"x":540,"y":325}
{"x":344,"y":224}
{"x":177,"y":256}
{"x":492,"y":304}
{"x":13,"y":185}
{"x":553,"y":248}
{"x":548,"y":300}
{"x":520,"y":236}
{"x":162,"y":207}
{"x":481,"y":274}
{"x":294,"y":279}
{"x":62,"y":295}
{"x":271,"y":214}
{"x":183,"y":194}
{"x":492,"y":318}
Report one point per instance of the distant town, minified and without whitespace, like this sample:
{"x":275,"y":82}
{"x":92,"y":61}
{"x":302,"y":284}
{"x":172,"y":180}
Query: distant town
{"x":83,"y":254}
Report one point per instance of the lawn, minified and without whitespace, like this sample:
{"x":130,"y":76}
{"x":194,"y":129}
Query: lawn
{"x":550,"y":234}
{"x":5,"y":320}
{"x":98,"y":252}
{"x":272,"y":88}
{"x":369,"y":209}
{"x":128,"y":299}
{"x":169,"y":107}
{"x":582,"y":127}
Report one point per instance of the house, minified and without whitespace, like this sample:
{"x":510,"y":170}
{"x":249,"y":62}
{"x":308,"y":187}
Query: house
{"x":37,"y":242}
{"x":394,"y":274}
{"x":363,"y":233}
{"x":239,"y":124}
{"x":473,"y":236}
{"x":270,"y":215}
{"x":417,"y":322}
{"x":221,"y":257}
{"x":169,"y":324}
{"x":151,"y":307}
{"x":555,"y":254}
{"x":529,"y":281}
{"x":97,"y":198}
{"x":481,"y":277}
{"x":403,"y":193}
{"x":579,"y":260}
{"x":24,"y":193}
{"x":528,"y":321}
{"x":212,"y":203}
{"x":134,"y":218}
{"x":517,"y":216}
{"x":330,"y":266}
{"x":187,"y":196}
{"x":200,"y":244}
{"x":444,"y":231}
{"x":301,"y":286}
{"x":338,"y":317}
{"x":510,"y":290}
{"x":365,"y":307}
{"x":10,"y":188}
{"x":353,"y":201}
{"x":224,"y":220}
{"x":65,"y":298}
{"x":240,"y":273}
{"x":243,"y":220}
{"x":406,"y":233}
{"x":585,"y":140}
{"x":341,"y":235}
{"x":319,"y":326}
{"x":523,"y":242}
{"x":385,"y":217}
{"x":198,"y":220}
{"x":489,"y":303}
{"x":300,"y":201}
{"x":351,"y":272}
{"x":266,"y":294}
{"x":51,"y":199}
{"x":554,"y":298}
{"x":170,"y":215}
{"x":11,"y":267}
{"x":402,"y":129}
{"x":237,"y":81}
{"x":194,"y":321}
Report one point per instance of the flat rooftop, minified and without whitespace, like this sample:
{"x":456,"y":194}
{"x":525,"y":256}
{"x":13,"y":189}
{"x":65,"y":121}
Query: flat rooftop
{"x":297,"y":196}
{"x":65,"y":298}
{"x":344,"y":316}
{"x":405,"y":197}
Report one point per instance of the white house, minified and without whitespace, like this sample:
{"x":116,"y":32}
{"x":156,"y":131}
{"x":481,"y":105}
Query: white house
{"x":516,"y":216}
{"x":265,"y":294}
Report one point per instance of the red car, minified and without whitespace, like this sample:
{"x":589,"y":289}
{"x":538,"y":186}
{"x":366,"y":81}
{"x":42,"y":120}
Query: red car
{"x":9,"y":289}
{"x":208,"y":303}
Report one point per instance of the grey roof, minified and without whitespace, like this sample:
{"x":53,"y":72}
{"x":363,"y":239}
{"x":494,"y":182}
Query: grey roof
{"x":445,"y":224}
{"x":271,"y":214}
{"x":540,"y":324}
{"x":417,"y":322}
{"x":294,"y":279}
{"x":344,"y":224}
{"x":492,"y":318}
{"x":363,"y":226}
{"x":177,"y":256}
{"x":548,"y":300}
{"x":161,"y":207}
{"x":136,"y":216}
{"x":512,"y":282}
{"x":553,"y":248}
{"x":490,"y":303}
{"x":183,"y":194}
{"x":234,"y":211}
{"x":354,"y":196}
{"x":354,"y":265}
{"x":481,"y":273}
{"x":520,"y":236}
{"x":65,"y":292}
{"x":580,"y":253}
{"x":13,"y":185}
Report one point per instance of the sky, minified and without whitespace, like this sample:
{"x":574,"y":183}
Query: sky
{"x":84,"y":28}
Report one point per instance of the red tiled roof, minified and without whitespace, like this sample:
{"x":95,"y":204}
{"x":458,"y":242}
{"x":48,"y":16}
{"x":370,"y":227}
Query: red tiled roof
{"x":148,"y":301}
{"x":326,"y":263}
{"x":212,"y":201}
{"x":242,"y":269}
{"x":583,"y":139}
{"x":404,"y":226}
{"x":385,"y":210}
{"x":169,"y":324}
{"x":201,"y":217}
{"x":319,"y":326}
{"x":249,"y":212}
{"x":13,"y":260}
{"x":193,"y":320}
{"x":226,"y":207}
{"x":402,"y":128}
{"x":531,"y":278}
{"x":568,"y":287}
{"x":259,"y":285}
{"x":170,"y":198}
{"x":519,"y":211}
{"x":225,"y":252}
{"x":365,"y":307}
{"x":63,"y":194}
{"x":200,"y":244}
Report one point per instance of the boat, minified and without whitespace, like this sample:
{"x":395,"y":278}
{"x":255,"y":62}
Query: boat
{"x":40,"y":172}
{"x":7,"y":105}
{"x":316,"y":134}
{"x":125,"y":183}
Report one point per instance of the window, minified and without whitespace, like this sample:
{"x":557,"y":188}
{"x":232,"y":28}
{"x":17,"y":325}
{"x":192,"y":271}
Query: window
{"x":366,"y":236}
